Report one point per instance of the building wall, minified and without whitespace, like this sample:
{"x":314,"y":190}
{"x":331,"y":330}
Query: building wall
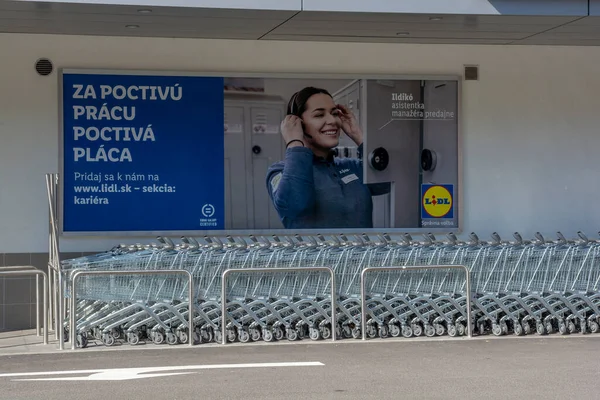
{"x":529,"y":131}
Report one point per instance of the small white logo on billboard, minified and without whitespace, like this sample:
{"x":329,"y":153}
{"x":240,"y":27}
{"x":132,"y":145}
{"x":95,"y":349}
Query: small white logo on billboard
{"x":208,"y":210}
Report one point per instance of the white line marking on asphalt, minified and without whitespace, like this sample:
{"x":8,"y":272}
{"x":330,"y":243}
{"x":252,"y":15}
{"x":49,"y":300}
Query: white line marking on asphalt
{"x":122,"y":374}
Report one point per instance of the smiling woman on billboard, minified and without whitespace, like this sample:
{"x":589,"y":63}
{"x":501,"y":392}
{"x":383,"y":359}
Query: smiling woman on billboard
{"x":311,"y":188}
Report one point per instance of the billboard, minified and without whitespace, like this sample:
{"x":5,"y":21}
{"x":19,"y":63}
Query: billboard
{"x":151,"y":152}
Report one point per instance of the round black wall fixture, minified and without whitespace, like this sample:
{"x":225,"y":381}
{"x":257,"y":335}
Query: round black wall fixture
{"x":44,"y":67}
{"x":428,"y":160}
{"x":379,"y":159}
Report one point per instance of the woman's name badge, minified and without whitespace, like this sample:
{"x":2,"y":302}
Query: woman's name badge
{"x":349,"y":178}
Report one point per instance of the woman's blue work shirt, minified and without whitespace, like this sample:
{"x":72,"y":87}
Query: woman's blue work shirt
{"x":311,"y":192}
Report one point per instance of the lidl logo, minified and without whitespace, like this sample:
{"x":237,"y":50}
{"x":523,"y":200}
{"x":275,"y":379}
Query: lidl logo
{"x":437,"y":201}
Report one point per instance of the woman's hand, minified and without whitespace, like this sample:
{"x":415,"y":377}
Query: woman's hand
{"x":350,"y":125}
{"x":291,"y":129}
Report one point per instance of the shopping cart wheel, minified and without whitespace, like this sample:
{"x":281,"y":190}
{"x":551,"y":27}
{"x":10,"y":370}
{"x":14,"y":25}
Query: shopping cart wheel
{"x":82,"y":341}
{"x":255,"y":334}
{"x":292,"y":334}
{"x":452,"y":331}
{"x":356,"y":333}
{"x":583,"y":326}
{"x":231,"y":335}
{"x":407,"y":331}
{"x":346,"y":332}
{"x":383,"y":331}
{"x":133,"y":338}
{"x":267,"y":335}
{"x":301,"y":330}
{"x":540,"y":329}
{"x":439,"y":329}
{"x":171,"y":338}
{"x":183,"y":337}
{"x":572,"y":328}
{"x":218,"y":336}
{"x":243,"y":336}
{"x":460,"y":328}
{"x":158,"y":338}
{"x":279,"y":333}
{"x":206,"y":336}
{"x":108,"y":339}
{"x":562,"y":328}
{"x":371,"y":332}
{"x":417,"y":330}
{"x":518,"y":329}
{"x":497,"y":330}
{"x":314,"y":334}
{"x":594,"y":327}
{"x":429,"y":330}
{"x":394,"y":330}
{"x":325,"y":332}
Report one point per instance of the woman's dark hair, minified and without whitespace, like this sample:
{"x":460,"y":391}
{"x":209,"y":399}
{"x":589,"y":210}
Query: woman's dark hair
{"x":297,"y":104}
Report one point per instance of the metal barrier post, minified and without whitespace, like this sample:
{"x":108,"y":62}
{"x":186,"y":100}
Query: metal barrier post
{"x":55,"y":287}
{"x":412,"y":267}
{"x":60,"y":317}
{"x":7,"y":271}
{"x":274,"y":270}
{"x":77,"y":273}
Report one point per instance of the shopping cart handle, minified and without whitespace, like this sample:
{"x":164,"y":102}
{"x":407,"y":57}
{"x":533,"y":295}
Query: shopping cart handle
{"x":496,"y":238}
{"x":539,"y":237}
{"x":518,"y":237}
{"x":428,"y":240}
{"x":474,"y":238}
{"x":452,"y":238}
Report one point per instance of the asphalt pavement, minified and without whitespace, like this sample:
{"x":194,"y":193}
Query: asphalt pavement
{"x":552,"y":367}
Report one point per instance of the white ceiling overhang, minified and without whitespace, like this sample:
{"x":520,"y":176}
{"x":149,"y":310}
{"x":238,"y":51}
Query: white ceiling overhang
{"x":504,"y":22}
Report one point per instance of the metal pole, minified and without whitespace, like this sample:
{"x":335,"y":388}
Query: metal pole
{"x":54,"y":295}
{"x":37,"y":304}
{"x":333,"y":306}
{"x":363,"y":298}
{"x":60,"y":316}
{"x":191,"y":308}
{"x":50,"y":250}
{"x":49,"y":226}
{"x":223,"y":307}
{"x":469,"y":294}
{"x":77,"y":273}
{"x":45,"y":311}
{"x":55,"y":292}
{"x":54,"y":288}
{"x":27,"y":271}
{"x":275,"y":270}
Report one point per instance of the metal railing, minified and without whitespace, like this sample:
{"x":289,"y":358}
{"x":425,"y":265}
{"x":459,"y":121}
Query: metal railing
{"x":275,"y":270}
{"x":363,"y":294}
{"x":77,"y":273}
{"x":28,"y":271}
{"x":55,"y":283}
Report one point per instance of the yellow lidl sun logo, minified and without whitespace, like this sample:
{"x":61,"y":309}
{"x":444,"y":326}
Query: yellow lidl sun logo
{"x":437,"y":201}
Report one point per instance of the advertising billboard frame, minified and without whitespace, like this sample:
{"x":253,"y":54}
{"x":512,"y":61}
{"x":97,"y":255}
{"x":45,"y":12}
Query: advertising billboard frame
{"x":457,"y":195}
